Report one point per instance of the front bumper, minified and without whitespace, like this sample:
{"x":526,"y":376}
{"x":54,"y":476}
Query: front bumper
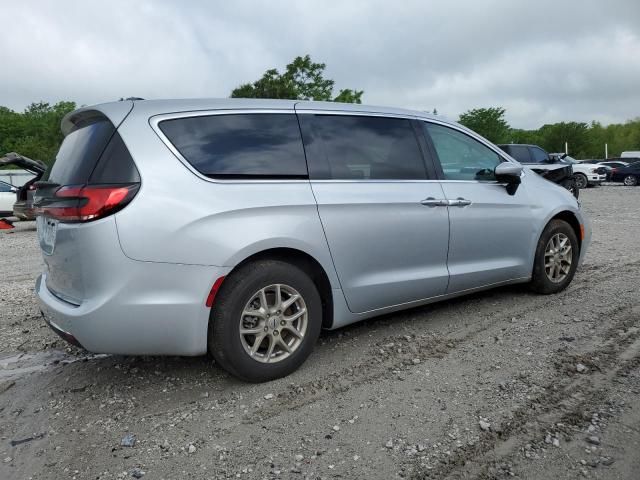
{"x":586,"y":237}
{"x":595,"y":178}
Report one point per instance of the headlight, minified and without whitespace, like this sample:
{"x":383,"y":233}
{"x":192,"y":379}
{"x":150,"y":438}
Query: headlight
{"x":593,"y":170}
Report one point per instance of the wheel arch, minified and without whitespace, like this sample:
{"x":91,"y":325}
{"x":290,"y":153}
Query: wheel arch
{"x":560,"y":214}
{"x":569,"y":217}
{"x":308,"y":264}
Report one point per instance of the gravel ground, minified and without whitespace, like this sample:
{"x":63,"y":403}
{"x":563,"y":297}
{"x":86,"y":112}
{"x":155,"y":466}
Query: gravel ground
{"x":500,"y":384}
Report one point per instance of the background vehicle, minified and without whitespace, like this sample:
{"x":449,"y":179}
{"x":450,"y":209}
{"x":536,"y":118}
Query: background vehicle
{"x":631,"y":154}
{"x":538,"y":160}
{"x":7,"y":198}
{"x":608,"y":171}
{"x":300,"y":215}
{"x":626,"y":160}
{"x":585,"y":174}
{"x":612,"y":166}
{"x":23,"y":202}
{"x":629,"y":175}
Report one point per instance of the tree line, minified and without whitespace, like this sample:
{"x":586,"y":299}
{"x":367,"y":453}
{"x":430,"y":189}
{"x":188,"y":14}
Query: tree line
{"x":35,"y":132}
{"x":585,"y":140}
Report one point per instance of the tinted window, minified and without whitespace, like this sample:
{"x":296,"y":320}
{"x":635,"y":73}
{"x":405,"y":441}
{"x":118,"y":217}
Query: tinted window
{"x":538,"y":155}
{"x":4,"y":187}
{"x":519,"y":152}
{"x":240,"y":145}
{"x":364,"y":148}
{"x":462,"y":157}
{"x":80,"y":152}
{"x":115,"y":164}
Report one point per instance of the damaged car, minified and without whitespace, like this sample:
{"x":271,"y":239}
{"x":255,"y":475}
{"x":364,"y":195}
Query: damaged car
{"x":538,"y":160}
{"x":23,"y":203}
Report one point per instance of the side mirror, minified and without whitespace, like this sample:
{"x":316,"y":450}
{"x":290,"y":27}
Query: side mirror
{"x":509,"y":173}
{"x":14,"y":190}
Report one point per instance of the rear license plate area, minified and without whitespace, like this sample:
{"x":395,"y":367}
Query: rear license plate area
{"x":47,"y":231}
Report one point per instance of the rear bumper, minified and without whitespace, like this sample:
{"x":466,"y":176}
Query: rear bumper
{"x":157,"y":309}
{"x":60,"y":332}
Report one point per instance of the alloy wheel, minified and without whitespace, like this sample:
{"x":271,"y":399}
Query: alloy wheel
{"x":558,"y":257}
{"x":630,"y":181}
{"x":273,"y":323}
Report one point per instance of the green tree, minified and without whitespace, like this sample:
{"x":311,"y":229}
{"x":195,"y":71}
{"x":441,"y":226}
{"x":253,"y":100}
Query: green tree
{"x":488,"y":122}
{"x":302,"y":80}
{"x":553,"y":138}
{"x":35,"y":132}
{"x":349,"y":96}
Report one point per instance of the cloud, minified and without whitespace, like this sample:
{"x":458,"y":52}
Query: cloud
{"x":543,"y":61}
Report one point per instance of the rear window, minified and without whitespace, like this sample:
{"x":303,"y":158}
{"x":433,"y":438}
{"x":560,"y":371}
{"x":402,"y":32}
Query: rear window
{"x":538,"y":155}
{"x":519,"y":152}
{"x":240,"y":145}
{"x":80,"y":151}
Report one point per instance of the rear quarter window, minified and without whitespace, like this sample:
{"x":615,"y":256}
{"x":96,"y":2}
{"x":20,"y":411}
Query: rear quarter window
{"x":262,"y":145}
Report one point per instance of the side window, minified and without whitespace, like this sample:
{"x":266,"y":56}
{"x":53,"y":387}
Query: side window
{"x":462,"y":157}
{"x":240,"y":145}
{"x":4,"y":187}
{"x":520,"y":153}
{"x":538,"y":155}
{"x":356,"y":147}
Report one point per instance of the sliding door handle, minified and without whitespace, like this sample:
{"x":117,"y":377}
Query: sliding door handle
{"x":459,"y":202}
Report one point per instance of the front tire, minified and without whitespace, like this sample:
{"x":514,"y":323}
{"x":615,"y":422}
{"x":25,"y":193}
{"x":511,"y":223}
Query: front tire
{"x":265,"y":321}
{"x":556,"y":260}
{"x":581,"y":180}
{"x":630,"y":180}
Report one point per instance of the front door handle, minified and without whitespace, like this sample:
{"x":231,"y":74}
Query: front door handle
{"x":459,"y":202}
{"x":433,"y":202}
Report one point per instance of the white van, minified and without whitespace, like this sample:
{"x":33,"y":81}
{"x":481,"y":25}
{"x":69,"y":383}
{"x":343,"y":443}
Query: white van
{"x":631,"y":154}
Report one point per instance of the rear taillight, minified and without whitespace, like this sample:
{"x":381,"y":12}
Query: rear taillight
{"x":84,"y":203}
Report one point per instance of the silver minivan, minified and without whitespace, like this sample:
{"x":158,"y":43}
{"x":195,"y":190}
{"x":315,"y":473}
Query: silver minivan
{"x":244,"y":227}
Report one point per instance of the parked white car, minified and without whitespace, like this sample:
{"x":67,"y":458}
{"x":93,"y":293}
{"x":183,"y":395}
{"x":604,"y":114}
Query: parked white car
{"x":7,"y":198}
{"x":585,"y":174}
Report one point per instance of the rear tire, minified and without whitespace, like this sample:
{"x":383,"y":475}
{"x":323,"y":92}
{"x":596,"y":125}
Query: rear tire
{"x":581,"y":180}
{"x":265,"y":346}
{"x":555,"y":264}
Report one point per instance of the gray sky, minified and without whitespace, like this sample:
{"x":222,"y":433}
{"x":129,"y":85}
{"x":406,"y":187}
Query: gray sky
{"x":544,"y":61}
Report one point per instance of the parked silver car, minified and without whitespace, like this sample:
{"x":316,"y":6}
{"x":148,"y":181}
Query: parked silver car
{"x":243,"y":227}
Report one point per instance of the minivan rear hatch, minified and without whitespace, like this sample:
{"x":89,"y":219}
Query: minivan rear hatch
{"x":33,"y":166}
{"x":92,"y":177}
